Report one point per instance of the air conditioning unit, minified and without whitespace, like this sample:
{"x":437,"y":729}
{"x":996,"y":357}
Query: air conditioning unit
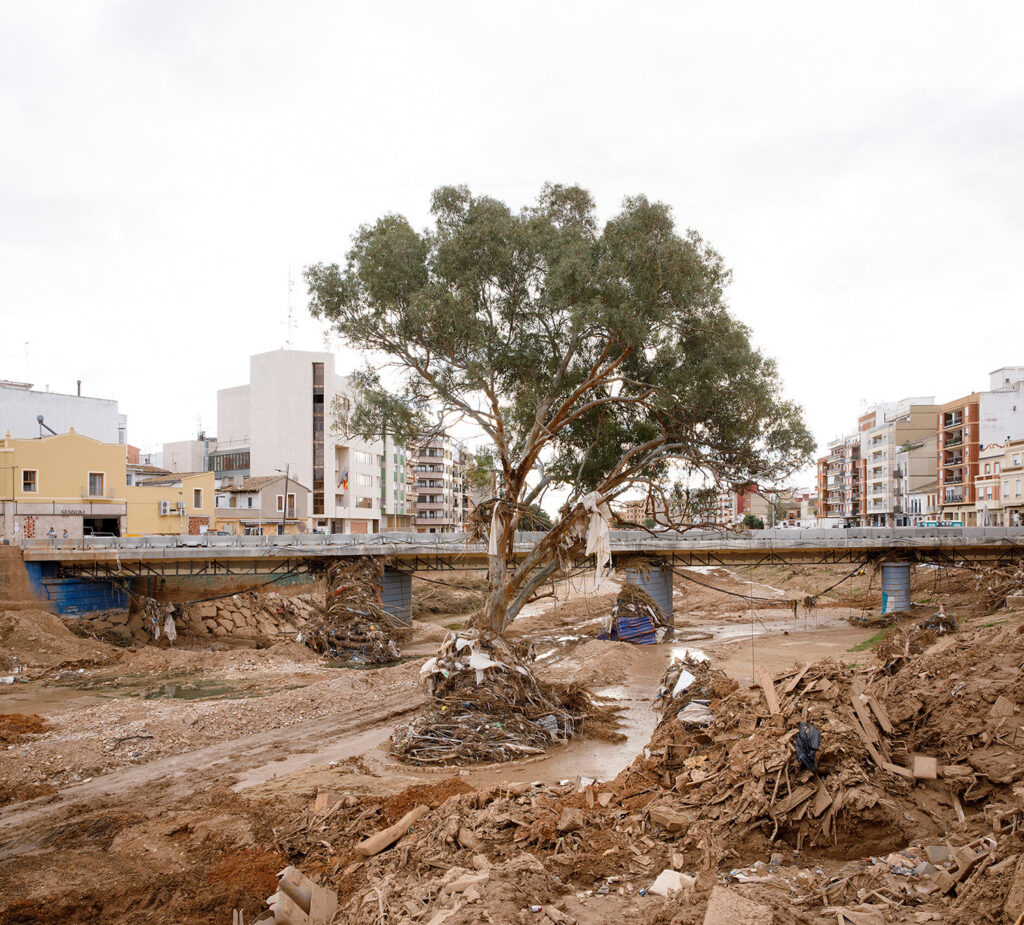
{"x":165,"y":507}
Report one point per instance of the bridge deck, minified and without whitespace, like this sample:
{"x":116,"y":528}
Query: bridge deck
{"x":268,"y":555}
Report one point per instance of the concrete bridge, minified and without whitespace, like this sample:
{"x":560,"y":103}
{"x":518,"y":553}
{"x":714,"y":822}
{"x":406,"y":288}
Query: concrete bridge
{"x":214,"y":555}
{"x":96,"y":573}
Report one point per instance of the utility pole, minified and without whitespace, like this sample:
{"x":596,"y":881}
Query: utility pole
{"x":284,"y":506}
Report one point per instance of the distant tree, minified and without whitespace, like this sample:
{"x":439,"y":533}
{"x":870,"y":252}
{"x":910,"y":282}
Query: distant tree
{"x":536,"y":519}
{"x":754,"y":523}
{"x":597,"y":360}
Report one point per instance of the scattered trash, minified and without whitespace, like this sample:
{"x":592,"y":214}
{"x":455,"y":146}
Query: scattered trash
{"x":636,"y":617}
{"x":806,"y":743}
{"x":487,"y":705}
{"x":352,"y":623}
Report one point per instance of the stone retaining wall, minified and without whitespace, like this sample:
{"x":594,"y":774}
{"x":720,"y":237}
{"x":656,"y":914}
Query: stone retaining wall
{"x":240,"y":616}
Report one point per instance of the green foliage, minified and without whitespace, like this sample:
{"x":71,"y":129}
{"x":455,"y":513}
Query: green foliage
{"x":591,"y":358}
{"x":754,"y":523}
{"x":869,"y":643}
{"x":536,"y":519}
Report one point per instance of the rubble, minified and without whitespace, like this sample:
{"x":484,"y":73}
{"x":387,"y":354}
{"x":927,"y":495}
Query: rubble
{"x":486,"y":704}
{"x":351,"y":623}
{"x":636,"y":617}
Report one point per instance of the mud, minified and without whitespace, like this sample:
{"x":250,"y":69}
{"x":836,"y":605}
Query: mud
{"x":123,"y":808}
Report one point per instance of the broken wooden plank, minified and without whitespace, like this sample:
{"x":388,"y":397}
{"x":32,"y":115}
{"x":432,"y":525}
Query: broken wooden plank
{"x":863,"y":714}
{"x":791,"y":685}
{"x":897,"y":769}
{"x":375,"y":844}
{"x":822,"y":800}
{"x":868,"y":744}
{"x":797,"y":797}
{"x":764,"y":679}
{"x":880,"y":714}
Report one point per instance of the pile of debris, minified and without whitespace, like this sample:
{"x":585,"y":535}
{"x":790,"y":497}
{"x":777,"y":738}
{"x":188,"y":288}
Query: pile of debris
{"x":907,"y":640}
{"x":825,"y":791}
{"x":352,"y":623}
{"x":636,"y":617}
{"x":486,"y":704}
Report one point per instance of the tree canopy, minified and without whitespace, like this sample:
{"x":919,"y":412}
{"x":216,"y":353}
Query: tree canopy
{"x":595,"y":359}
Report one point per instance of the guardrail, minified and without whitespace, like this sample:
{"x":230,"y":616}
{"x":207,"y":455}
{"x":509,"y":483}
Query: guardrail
{"x":619,"y":538}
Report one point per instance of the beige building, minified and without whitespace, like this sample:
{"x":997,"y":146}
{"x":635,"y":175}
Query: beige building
{"x":441,"y":495}
{"x":68,"y":482}
{"x":178,"y":503}
{"x":262,"y":505}
{"x":890,"y":433}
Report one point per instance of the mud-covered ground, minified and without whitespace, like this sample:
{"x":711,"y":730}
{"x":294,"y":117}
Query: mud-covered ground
{"x":169,"y":785}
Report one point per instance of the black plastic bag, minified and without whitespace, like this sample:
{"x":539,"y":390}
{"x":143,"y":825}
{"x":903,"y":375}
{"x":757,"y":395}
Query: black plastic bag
{"x":807,"y":742}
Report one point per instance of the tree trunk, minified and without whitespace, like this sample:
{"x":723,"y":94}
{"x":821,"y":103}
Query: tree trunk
{"x":498,"y":590}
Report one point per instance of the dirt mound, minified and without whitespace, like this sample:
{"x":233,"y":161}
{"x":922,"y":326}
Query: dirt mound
{"x":16,"y":726}
{"x":40,"y":640}
{"x":595,"y":663}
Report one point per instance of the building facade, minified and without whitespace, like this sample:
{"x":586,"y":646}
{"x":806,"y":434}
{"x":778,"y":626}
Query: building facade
{"x":839,"y":481}
{"x":439,"y":483}
{"x":262,"y":505}
{"x":21,"y":405}
{"x":177,"y":503}
{"x":966,"y":426}
{"x":736,"y":503}
{"x":67,"y":482}
{"x":888,"y":432}
{"x":287,"y":419}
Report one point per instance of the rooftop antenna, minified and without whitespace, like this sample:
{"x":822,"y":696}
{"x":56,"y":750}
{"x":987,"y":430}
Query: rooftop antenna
{"x":291,"y":315}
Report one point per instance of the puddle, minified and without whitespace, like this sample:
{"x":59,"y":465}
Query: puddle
{"x":180,"y":688}
{"x":366,"y":666}
{"x":198,"y":690}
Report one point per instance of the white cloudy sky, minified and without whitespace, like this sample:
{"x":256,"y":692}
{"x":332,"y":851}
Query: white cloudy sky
{"x":162,"y":165}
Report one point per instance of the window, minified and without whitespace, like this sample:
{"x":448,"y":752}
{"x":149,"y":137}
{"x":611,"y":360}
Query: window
{"x":365,"y":459}
{"x":197,"y":498}
{"x":249,"y":499}
{"x":1016,"y":488}
{"x":363,"y":479}
{"x":96,"y":484}
{"x":988,"y":468}
{"x":997,"y":468}
{"x":30,"y":480}
{"x":280,"y":502}
{"x":364,"y":502}
{"x":291,"y":504}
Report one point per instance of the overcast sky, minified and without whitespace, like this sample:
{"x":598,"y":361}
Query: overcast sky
{"x":860,"y":167}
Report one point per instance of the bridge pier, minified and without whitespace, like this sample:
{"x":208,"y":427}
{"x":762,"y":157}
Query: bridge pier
{"x":895,"y":587}
{"x":656,"y":581}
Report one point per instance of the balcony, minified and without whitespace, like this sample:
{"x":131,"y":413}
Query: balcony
{"x":106,"y":493}
{"x":956,"y":459}
{"x":953,"y":440}
{"x":952,"y":419}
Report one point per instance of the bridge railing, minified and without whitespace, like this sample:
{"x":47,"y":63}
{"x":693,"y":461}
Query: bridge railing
{"x":788,"y":536}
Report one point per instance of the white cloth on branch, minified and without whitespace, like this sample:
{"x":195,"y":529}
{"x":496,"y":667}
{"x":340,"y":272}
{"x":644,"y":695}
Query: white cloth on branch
{"x":599,"y":542}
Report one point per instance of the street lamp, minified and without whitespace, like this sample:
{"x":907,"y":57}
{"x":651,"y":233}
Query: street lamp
{"x":284,"y":506}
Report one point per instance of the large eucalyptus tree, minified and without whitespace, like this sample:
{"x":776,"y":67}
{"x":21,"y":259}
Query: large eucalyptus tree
{"x":595,"y":360}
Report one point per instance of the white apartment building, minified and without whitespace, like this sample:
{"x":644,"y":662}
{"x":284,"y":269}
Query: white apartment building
{"x":888,"y":431}
{"x":285,"y":419}
{"x":21,"y":405}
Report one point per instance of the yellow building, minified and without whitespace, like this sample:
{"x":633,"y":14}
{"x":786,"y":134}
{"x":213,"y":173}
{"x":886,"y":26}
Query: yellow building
{"x":67,"y":482}
{"x":73,"y":485}
{"x":181,"y":502}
